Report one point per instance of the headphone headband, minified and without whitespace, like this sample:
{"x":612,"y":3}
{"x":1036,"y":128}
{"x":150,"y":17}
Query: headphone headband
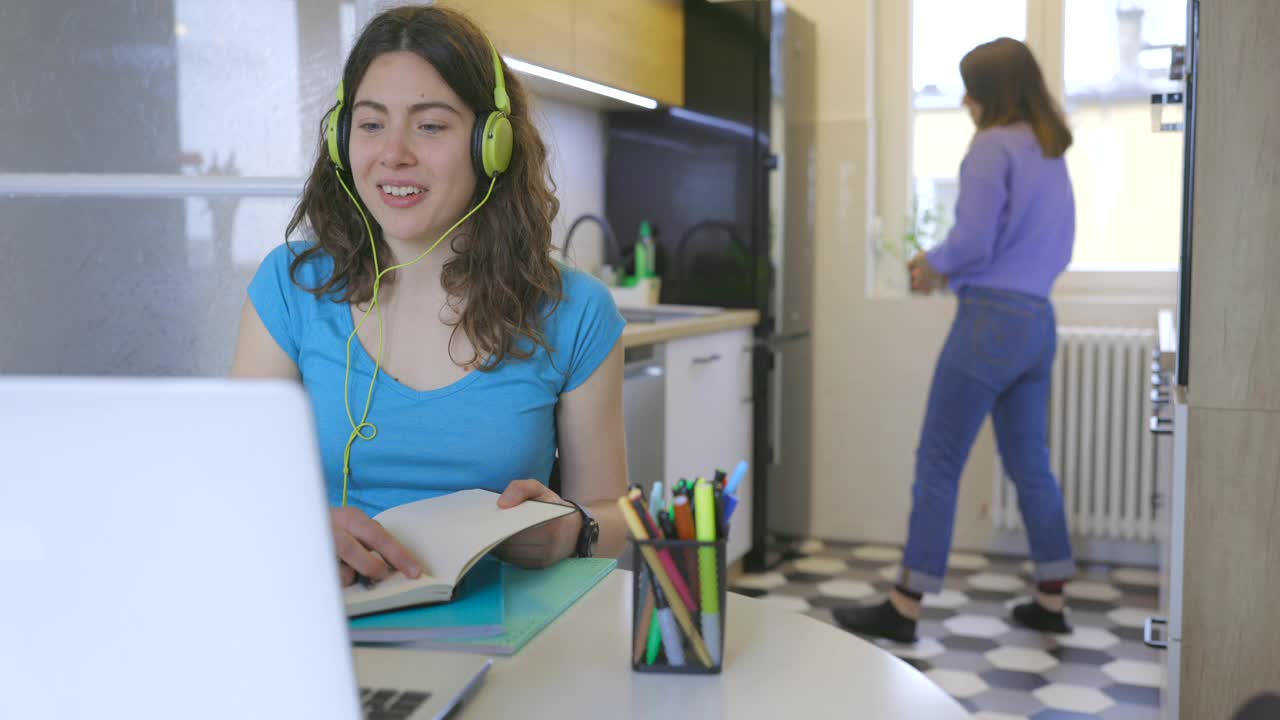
{"x":491,"y":142}
{"x":500,"y":99}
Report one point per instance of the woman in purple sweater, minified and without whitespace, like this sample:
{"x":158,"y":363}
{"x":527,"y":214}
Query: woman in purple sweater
{"x":1015,"y":225}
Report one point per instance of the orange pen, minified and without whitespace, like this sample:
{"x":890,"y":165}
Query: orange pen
{"x":685,"y":531}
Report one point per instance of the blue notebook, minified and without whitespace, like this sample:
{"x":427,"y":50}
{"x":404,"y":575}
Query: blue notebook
{"x":533,"y":599}
{"x":477,"y":611}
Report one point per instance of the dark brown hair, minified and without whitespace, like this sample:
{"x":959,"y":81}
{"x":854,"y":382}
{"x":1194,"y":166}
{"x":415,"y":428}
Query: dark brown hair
{"x":1003,"y":77}
{"x":503,"y":265}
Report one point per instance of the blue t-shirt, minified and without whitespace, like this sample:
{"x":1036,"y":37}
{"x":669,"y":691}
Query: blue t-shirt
{"x":483,"y":431}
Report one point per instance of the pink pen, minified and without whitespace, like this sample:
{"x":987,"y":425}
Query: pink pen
{"x":664,"y":555}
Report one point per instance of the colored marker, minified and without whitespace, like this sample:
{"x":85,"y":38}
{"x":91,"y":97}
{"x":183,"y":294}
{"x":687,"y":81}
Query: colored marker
{"x":704,"y":509}
{"x":662,"y":628}
{"x":731,"y":490}
{"x":670,"y":633}
{"x":656,"y":499}
{"x":721,"y":525}
{"x":736,"y":478}
{"x":685,"y":531}
{"x":730,"y":504}
{"x":664,"y":555}
{"x":667,"y":522}
{"x":655,"y":633}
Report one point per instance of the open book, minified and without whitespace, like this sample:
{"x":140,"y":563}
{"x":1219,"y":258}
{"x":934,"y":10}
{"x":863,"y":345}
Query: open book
{"x":447,"y":534}
{"x":477,"y":610}
{"x":532,"y":600}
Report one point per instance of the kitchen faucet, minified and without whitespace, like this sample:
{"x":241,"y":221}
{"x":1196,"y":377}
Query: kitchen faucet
{"x":683,"y":267}
{"x":610,"y":241}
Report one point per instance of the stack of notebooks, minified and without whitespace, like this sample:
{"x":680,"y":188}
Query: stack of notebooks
{"x":468,"y":601}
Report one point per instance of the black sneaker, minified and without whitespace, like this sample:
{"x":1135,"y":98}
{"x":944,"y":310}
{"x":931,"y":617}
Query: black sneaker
{"x":881,"y":620}
{"x":1033,"y":615}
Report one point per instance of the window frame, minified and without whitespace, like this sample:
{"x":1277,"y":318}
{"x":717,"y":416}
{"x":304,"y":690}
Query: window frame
{"x":895,"y":142}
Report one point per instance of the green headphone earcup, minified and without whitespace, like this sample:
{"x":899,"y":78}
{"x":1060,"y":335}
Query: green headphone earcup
{"x":337,"y":133}
{"x":491,"y":145}
{"x":336,"y":130}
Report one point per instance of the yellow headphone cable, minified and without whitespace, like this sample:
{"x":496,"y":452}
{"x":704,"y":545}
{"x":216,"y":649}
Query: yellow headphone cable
{"x":365,"y":430}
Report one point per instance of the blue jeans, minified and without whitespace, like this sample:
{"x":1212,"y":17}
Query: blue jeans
{"x":997,"y":360}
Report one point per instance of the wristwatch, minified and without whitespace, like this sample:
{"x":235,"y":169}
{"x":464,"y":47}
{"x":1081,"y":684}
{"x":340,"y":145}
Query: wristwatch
{"x":588,"y":536}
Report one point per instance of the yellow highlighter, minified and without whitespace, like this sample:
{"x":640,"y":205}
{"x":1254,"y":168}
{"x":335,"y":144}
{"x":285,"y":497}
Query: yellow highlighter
{"x":704,"y":512}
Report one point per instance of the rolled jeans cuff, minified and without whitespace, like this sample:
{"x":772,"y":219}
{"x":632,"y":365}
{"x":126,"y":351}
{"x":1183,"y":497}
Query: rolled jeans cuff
{"x":919,"y":582}
{"x":1056,"y":570}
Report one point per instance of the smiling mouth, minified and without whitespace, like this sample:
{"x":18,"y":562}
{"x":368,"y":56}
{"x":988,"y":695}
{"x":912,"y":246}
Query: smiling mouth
{"x":401,"y":190}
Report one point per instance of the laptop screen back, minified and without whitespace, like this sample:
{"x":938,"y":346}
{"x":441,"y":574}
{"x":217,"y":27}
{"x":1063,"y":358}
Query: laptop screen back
{"x":165,"y":552}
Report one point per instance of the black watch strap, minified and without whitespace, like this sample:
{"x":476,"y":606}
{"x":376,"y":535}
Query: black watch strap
{"x":588,"y":536}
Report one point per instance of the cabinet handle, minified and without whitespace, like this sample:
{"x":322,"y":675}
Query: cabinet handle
{"x":706,"y":359}
{"x":1148,"y":627}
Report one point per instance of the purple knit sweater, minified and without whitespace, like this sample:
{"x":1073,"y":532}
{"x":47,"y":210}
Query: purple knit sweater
{"x":1015,"y":216}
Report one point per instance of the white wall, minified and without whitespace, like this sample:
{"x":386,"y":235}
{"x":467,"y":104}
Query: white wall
{"x":874,"y":357}
{"x":575,"y":139}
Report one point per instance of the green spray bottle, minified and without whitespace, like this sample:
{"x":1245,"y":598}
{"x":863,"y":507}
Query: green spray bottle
{"x":646,"y":253}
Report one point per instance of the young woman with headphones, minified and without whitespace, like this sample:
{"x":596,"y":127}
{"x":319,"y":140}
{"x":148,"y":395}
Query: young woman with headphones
{"x":441,"y":346}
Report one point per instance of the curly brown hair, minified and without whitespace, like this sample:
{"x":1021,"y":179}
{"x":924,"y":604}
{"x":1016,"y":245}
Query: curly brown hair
{"x":503,"y":266}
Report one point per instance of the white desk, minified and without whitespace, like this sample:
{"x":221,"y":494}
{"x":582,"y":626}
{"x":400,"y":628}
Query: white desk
{"x":777,"y":664}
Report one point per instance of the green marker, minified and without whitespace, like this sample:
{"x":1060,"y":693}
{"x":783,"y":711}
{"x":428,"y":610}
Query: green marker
{"x":655,"y":639}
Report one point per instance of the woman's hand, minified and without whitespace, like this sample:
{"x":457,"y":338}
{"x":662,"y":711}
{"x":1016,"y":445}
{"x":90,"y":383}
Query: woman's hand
{"x":546,"y":544}
{"x":924,"y":278}
{"x":366,"y":548}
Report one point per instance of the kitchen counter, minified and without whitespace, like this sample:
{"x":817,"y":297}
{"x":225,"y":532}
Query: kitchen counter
{"x":649,"y":333}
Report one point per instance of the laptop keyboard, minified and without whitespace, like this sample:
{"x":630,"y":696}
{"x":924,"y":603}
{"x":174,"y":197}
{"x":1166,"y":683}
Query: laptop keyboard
{"x":385,"y":704}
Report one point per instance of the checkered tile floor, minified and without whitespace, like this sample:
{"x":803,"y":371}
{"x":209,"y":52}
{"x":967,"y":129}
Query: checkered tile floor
{"x":968,"y":645}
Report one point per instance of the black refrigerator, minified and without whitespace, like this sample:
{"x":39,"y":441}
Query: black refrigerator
{"x":728,"y":184}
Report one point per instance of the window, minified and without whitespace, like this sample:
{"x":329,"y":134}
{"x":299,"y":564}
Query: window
{"x":942,"y":32}
{"x":1128,"y":179}
{"x":1112,"y":55}
{"x":164,"y":160}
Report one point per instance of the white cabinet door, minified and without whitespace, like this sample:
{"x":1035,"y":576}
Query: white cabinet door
{"x":708,"y":416}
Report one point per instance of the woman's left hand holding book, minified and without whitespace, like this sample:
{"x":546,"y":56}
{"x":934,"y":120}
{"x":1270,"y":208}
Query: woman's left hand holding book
{"x":366,"y":550}
{"x":542,"y":545}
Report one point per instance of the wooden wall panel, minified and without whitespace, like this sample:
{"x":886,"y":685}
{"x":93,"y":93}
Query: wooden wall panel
{"x":1230,"y":634}
{"x":536,"y":31}
{"x":636,"y":46}
{"x":1235,"y":285}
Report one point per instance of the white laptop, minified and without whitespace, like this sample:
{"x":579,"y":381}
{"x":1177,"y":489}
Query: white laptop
{"x":165,"y":552}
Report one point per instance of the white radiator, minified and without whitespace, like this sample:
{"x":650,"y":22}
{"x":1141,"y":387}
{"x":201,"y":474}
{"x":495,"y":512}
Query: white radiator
{"x":1099,"y":445}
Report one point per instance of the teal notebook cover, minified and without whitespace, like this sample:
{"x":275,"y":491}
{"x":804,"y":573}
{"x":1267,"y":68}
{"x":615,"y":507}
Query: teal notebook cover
{"x":477,"y":611}
{"x":534,"y":598}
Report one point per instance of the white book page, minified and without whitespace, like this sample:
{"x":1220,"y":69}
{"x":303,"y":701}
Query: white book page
{"x":449,"y":533}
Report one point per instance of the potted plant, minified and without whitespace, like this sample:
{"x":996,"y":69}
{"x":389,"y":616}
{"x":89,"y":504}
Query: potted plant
{"x":924,"y":229}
